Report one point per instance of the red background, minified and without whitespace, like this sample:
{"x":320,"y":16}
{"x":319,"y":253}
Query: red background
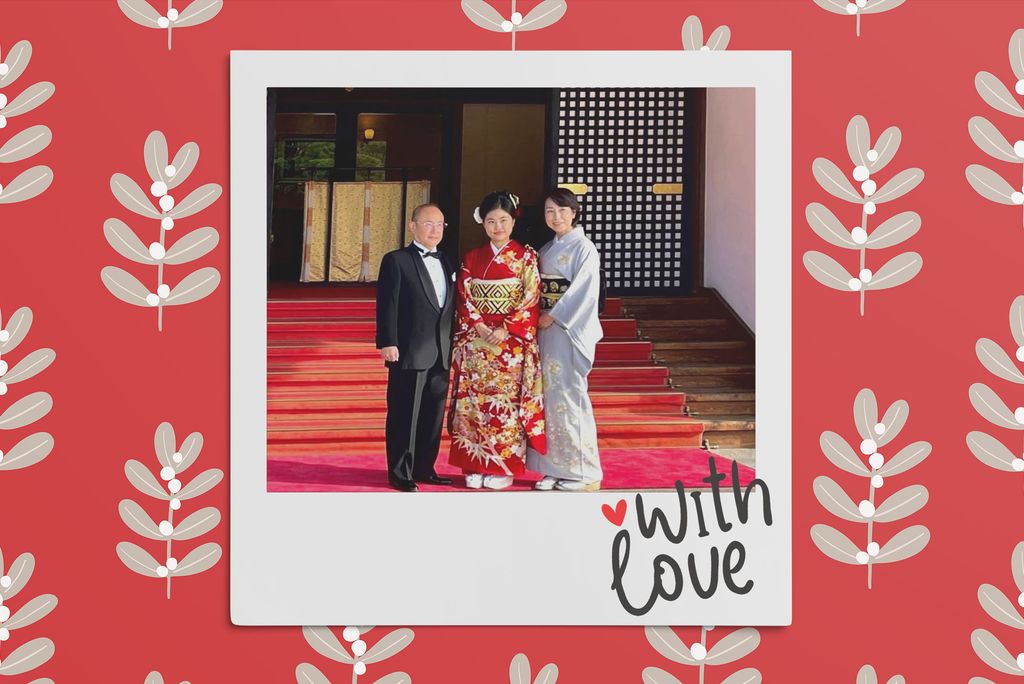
{"x":116,"y":378}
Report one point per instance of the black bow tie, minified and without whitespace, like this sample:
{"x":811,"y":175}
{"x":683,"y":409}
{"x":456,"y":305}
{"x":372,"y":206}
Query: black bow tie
{"x":435,"y":254}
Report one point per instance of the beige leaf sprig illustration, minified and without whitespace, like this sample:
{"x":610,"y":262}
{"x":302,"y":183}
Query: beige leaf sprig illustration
{"x":481,"y":13}
{"x":733,"y":646}
{"x":693,"y":36}
{"x":519,"y":672}
{"x":30,"y":141}
{"x":173,"y":460}
{"x":30,"y":408}
{"x":33,"y":653}
{"x":900,"y":504}
{"x":986,"y":448}
{"x":196,"y":12}
{"x":324,"y":642}
{"x":993,"y":601}
{"x":164,"y":176}
{"x":868,"y":159}
{"x":155,"y":677}
{"x":989,"y":139}
{"x":867,"y":675}
{"x":855,"y":8}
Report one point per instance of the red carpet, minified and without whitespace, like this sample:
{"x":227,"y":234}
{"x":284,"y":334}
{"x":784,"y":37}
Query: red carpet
{"x":623,"y":469}
{"x":326,"y":407}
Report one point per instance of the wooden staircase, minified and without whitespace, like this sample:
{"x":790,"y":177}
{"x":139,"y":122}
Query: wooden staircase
{"x":710,"y":356}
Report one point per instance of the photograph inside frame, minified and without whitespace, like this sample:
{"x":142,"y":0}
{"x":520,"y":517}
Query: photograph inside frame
{"x":509,"y":289}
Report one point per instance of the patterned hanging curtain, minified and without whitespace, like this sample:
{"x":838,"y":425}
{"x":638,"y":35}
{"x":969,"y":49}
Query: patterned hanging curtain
{"x":366,"y":223}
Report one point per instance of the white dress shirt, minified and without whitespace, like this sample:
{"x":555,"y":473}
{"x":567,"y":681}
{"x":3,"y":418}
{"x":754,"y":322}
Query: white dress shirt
{"x":436,"y":273}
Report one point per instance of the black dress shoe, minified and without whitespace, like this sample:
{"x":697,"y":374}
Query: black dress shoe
{"x":434,"y":479}
{"x":403,"y":485}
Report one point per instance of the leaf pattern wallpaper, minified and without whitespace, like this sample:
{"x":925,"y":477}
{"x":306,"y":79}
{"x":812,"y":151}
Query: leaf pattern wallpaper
{"x":104,"y":106}
{"x":29,"y":141}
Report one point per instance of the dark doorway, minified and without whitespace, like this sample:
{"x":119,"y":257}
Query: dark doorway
{"x":373,"y":134}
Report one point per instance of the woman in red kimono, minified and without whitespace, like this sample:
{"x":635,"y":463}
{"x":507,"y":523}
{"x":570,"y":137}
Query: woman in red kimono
{"x":497,"y":397}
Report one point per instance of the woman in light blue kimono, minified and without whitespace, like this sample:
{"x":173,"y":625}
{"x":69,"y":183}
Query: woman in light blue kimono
{"x":569,"y":331}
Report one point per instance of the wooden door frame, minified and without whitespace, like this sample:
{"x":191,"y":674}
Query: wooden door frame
{"x":694,"y":156}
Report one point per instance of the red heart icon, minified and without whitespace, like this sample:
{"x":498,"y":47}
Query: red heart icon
{"x":615,"y":515}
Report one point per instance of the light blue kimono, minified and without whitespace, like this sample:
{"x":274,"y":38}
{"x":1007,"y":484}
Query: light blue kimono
{"x":567,"y":354}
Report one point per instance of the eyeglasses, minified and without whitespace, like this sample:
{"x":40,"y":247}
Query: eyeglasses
{"x":430,"y":225}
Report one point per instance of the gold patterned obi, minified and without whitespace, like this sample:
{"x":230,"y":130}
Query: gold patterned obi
{"x":551,"y":290}
{"x":496,"y":296}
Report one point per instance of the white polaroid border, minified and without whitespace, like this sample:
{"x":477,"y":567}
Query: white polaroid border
{"x":512,"y":558}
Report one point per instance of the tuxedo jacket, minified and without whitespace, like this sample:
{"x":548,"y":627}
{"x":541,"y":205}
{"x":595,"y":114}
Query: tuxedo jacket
{"x":408,"y":316}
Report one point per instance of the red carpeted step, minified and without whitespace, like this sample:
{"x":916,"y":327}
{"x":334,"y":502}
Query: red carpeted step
{"x":299,"y":343}
{"x":361,"y":376}
{"x":619,"y":328}
{"x":358,"y":435}
{"x":365,"y":354}
{"x":367,"y":359}
{"x":337,"y":415}
{"x":370,"y":359}
{"x":287,"y":309}
{"x":283,"y":399}
{"x":365,"y":328}
{"x":376,"y":421}
{"x":607,"y":395}
{"x":623,"y":350}
{"x":322,"y":308}
{"x":314,"y":347}
{"x":371,"y":381}
{"x":297,"y":349}
{"x":317,"y":326}
{"x":349,"y":334}
{"x":334,"y":291}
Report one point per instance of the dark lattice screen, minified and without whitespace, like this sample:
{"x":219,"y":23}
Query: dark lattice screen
{"x":620,"y":143}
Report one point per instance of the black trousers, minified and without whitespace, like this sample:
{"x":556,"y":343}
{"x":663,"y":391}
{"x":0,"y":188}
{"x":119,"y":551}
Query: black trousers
{"x":411,"y":455}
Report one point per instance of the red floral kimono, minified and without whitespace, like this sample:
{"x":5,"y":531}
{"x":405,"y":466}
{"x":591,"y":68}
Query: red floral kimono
{"x":497,"y":403}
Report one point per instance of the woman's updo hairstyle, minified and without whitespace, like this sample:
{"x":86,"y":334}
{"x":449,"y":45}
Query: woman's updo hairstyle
{"x":502,"y":199}
{"x":563,"y":197}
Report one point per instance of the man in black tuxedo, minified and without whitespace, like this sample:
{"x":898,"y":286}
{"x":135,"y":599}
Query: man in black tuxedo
{"x":415,"y":308}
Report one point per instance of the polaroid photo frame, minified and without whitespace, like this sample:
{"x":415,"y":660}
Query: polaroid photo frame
{"x":598,"y":558}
